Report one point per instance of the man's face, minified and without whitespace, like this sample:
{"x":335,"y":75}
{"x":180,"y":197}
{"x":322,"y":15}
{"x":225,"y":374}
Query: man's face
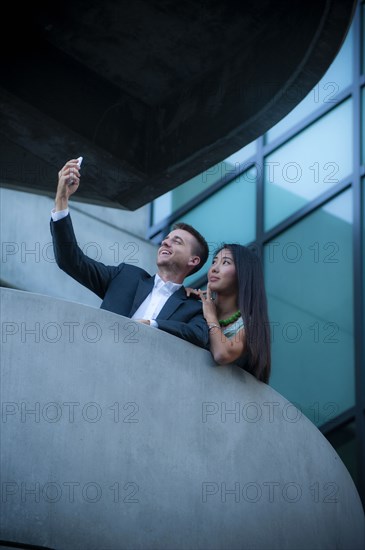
{"x":176,"y":251}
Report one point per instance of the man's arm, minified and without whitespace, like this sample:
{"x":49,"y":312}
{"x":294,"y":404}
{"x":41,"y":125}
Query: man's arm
{"x":194,"y":331}
{"x":69,"y":257}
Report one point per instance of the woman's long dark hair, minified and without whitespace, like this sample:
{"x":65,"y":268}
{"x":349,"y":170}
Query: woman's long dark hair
{"x":252,"y":303}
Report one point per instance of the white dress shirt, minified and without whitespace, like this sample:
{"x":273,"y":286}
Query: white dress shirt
{"x":157,"y":298}
{"x":58,"y":215}
{"x":152,"y":305}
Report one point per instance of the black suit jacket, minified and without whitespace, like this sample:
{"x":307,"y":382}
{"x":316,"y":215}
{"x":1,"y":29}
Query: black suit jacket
{"x":124,"y":287}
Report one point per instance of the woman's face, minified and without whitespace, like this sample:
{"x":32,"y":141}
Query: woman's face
{"x":222,"y":273}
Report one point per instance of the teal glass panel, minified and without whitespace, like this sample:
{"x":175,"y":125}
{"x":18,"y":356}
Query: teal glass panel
{"x":227,"y":216}
{"x":171,"y":201}
{"x":363,"y":39}
{"x":309,"y":284}
{"x":362,"y":125}
{"x":161,"y":208}
{"x":313,"y":161}
{"x":338,"y":76}
{"x":363,"y":259}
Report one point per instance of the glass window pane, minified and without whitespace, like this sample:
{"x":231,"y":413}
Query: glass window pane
{"x":161,"y":207}
{"x":363,"y":257}
{"x":362,"y":125}
{"x":309,"y":164}
{"x":363,"y":38}
{"x":169,"y":202}
{"x":337,"y":77}
{"x":308,"y":278}
{"x":227,"y":216}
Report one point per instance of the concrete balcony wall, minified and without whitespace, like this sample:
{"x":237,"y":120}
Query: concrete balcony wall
{"x":134,"y":223}
{"x":117,"y":435}
{"x":27,"y":262}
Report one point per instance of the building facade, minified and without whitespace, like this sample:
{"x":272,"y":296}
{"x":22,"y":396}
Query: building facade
{"x":297,"y":196}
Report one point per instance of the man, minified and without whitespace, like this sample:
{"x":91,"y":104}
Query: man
{"x":159,"y":300}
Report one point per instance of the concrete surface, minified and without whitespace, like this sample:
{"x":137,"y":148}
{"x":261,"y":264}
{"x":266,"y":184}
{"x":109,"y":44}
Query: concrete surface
{"x":107,"y":234}
{"x":119,"y":436}
{"x":152,"y":93}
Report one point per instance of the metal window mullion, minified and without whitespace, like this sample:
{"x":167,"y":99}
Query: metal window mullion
{"x":358,"y":294}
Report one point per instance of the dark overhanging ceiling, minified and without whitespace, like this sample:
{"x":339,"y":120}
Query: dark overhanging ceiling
{"x":152,"y":92}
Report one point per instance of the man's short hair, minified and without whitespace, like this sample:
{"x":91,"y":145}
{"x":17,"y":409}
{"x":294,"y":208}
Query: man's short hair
{"x":201,"y":248}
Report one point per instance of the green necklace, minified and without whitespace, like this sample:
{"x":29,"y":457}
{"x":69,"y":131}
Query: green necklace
{"x":231,"y":319}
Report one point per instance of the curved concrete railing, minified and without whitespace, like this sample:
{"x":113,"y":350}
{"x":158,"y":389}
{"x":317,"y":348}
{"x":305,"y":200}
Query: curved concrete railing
{"x":119,"y":436}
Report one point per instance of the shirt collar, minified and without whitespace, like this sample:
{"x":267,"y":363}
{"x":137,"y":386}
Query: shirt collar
{"x":171,"y":287}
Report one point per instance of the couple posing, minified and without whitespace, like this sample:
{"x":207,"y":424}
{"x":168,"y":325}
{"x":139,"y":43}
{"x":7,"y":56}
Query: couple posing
{"x":230,"y":318}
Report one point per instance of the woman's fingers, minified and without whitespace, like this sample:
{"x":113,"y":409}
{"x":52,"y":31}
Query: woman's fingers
{"x":191,"y":291}
{"x":202,"y":294}
{"x":209,"y":294}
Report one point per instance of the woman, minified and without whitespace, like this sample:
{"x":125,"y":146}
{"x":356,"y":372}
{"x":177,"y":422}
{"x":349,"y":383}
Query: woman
{"x":235,"y":309}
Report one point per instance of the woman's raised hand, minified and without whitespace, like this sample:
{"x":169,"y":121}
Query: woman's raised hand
{"x":192,"y":292}
{"x":209,"y":307}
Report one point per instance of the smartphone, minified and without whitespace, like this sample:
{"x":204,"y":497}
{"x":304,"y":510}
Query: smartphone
{"x":79,"y":161}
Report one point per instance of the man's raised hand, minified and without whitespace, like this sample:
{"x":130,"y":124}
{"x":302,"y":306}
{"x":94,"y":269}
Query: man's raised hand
{"x":68,"y":183}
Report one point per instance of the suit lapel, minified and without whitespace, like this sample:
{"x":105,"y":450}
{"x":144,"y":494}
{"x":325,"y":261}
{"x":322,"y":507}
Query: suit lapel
{"x":172,"y":303}
{"x":145,"y":286}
